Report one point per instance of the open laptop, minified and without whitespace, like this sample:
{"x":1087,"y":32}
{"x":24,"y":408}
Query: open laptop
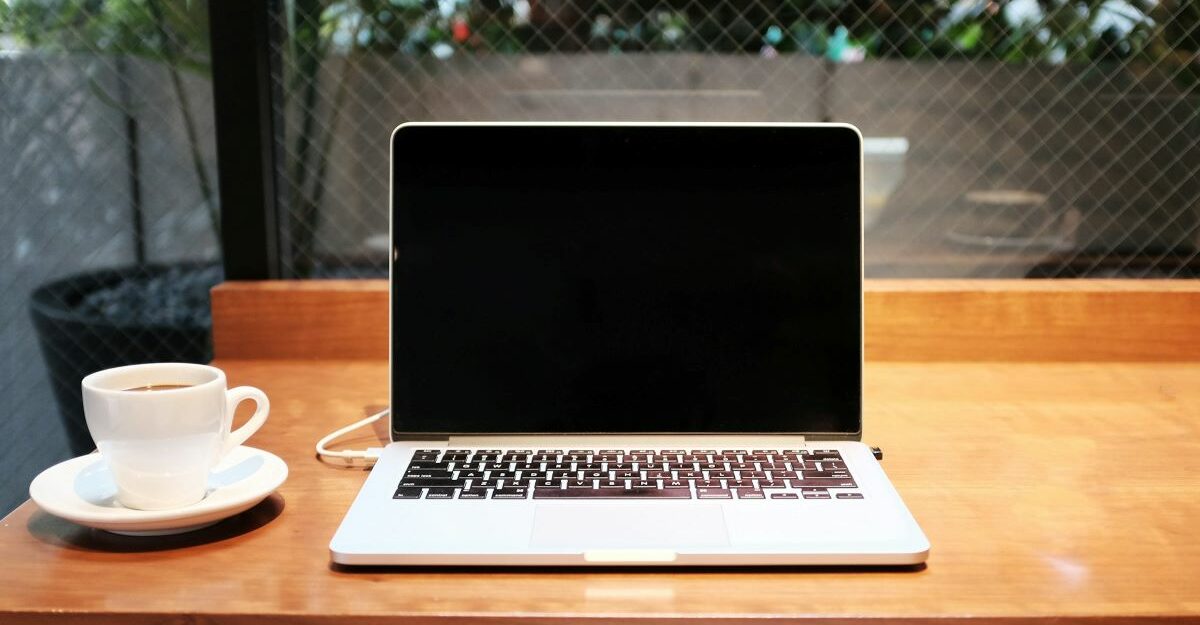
{"x":627,"y":344}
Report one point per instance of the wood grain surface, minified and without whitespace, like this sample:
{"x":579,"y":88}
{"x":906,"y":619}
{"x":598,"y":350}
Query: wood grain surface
{"x":906,"y":320}
{"x":1051,"y":492}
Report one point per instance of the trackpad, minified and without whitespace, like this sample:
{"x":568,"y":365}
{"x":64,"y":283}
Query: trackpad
{"x":628,"y":526}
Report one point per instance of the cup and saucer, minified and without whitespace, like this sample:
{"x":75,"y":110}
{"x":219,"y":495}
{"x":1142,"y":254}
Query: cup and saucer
{"x":82,"y":490}
{"x":169,"y":460}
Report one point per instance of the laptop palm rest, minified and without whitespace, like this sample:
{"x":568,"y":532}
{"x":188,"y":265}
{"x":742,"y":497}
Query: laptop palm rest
{"x":628,"y":526}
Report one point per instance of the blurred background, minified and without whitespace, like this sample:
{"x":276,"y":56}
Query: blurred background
{"x":1005,"y":139}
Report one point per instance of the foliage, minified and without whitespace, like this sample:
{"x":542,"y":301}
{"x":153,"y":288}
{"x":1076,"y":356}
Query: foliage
{"x":177,"y":34}
{"x":1008,"y":30}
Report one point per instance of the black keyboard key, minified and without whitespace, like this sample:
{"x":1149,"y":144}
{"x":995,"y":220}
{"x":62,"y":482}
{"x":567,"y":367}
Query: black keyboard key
{"x":407,"y":493}
{"x":429,"y":466}
{"x":427,"y":475}
{"x":771,"y":484}
{"x":430,"y":483}
{"x":813,"y":474}
{"x":836,"y":482}
{"x":677,"y":484}
{"x":611,"y":493}
{"x":712,"y":493}
{"x":439,"y":493}
{"x":784,"y":496}
{"x":510,"y":493}
{"x":473,"y":493}
{"x":750,"y":493}
{"x":849,"y":496}
{"x":816,"y":495}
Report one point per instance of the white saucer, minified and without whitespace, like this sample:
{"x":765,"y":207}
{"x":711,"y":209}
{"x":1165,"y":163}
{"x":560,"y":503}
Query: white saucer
{"x":82,"y":490}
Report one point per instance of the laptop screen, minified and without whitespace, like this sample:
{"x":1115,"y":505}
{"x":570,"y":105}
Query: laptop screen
{"x":626,"y":279}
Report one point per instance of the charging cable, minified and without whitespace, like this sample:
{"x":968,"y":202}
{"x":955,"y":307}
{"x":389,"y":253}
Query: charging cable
{"x":370,"y":453}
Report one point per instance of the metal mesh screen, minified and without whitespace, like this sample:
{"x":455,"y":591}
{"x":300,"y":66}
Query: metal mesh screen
{"x":1006,"y":138}
{"x":107,"y":222}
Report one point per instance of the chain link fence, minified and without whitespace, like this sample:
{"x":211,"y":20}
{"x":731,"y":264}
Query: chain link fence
{"x":108,"y":219}
{"x":1006,"y":138}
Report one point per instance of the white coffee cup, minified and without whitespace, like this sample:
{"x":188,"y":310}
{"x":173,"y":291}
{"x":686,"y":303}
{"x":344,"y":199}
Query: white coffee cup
{"x":160,"y":445}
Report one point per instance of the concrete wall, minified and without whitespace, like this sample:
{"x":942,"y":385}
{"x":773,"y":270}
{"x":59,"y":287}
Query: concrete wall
{"x":1114,"y":149}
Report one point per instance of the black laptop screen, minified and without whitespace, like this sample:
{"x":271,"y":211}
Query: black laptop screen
{"x":626,"y":279}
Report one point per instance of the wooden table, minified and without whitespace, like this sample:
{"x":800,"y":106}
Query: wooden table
{"x":1058,"y":482}
{"x":1049,"y":491}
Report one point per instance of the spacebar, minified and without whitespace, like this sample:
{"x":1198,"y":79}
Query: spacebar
{"x":612,"y":493}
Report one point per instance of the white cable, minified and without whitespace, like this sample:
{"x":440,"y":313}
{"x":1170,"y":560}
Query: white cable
{"x":371,"y":453}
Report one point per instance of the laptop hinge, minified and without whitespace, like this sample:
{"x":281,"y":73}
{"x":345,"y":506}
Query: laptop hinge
{"x":625,"y":440}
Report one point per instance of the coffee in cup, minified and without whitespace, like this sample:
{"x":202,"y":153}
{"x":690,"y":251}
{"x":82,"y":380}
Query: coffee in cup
{"x":162,"y":427}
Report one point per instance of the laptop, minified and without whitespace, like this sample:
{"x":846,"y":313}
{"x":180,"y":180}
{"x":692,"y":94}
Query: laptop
{"x":627,"y":344}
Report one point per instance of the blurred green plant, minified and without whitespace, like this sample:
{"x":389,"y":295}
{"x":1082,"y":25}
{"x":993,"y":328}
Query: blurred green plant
{"x":171,"y":32}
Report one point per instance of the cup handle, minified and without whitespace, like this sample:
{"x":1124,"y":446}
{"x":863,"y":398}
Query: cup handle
{"x":235,"y":396}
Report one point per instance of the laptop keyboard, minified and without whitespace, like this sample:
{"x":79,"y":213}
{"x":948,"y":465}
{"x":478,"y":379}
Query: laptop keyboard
{"x":626,"y":474}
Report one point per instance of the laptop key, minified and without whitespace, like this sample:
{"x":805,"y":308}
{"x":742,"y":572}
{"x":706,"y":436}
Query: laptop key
{"x":824,"y":482}
{"x":439,"y":493}
{"x":510,"y":493}
{"x":784,"y":496}
{"x":750,"y":493}
{"x":407,"y":493}
{"x":712,"y":493}
{"x":431,"y":483}
{"x":611,"y":493}
{"x":473,"y":493}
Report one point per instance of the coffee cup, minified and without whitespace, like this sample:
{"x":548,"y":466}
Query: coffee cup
{"x":162,"y":427}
